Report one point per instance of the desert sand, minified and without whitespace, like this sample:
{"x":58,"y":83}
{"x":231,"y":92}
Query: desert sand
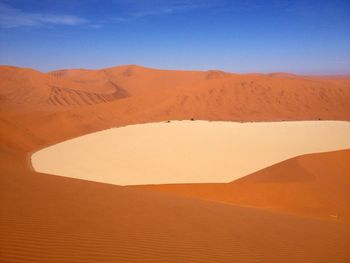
{"x":313,"y":185}
{"x":279,"y":214}
{"x":187,"y":151}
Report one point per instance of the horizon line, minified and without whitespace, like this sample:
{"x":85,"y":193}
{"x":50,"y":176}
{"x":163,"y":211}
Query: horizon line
{"x":188,"y":70}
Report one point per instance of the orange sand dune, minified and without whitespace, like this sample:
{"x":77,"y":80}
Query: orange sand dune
{"x":180,"y":94}
{"x":314,"y":185}
{"x":44,"y":218}
{"x":30,"y":105}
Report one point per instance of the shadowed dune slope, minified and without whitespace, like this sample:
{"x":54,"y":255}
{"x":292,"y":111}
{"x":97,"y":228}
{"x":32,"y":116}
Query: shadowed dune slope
{"x":44,"y":218}
{"x":314,"y":185}
{"x":31,"y":89}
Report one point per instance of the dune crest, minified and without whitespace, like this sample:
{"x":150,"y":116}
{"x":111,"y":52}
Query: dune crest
{"x":313,"y":185}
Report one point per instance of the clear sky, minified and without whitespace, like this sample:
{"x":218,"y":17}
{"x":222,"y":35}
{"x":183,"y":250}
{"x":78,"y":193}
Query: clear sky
{"x":298,"y":36}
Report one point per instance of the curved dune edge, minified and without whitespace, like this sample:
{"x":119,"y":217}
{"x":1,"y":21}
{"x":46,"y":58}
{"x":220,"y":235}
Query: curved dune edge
{"x":315,"y":185}
{"x":187,"y":151}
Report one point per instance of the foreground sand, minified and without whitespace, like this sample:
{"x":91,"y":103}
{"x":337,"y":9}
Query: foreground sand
{"x":187,"y":151}
{"x":45,"y":218}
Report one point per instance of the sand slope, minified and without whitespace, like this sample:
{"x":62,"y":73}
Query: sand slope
{"x":178,"y":94}
{"x":315,"y":185}
{"x":44,"y":218}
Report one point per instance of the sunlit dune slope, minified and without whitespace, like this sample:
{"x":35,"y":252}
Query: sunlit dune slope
{"x":313,"y":185}
{"x":179,"y":94}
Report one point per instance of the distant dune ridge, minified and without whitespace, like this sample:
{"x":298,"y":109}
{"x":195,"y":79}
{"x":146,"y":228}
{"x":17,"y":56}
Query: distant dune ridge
{"x":294,"y":211}
{"x":177,"y":94}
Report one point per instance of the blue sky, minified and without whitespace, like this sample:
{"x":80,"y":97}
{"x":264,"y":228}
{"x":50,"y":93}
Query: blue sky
{"x":300,"y":36}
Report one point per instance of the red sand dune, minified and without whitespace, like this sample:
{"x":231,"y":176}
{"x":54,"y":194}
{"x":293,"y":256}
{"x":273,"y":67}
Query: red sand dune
{"x":178,"y":94}
{"x":44,"y":218}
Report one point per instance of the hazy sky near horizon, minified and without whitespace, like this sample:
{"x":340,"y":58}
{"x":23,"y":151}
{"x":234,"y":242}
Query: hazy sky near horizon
{"x":300,"y":36}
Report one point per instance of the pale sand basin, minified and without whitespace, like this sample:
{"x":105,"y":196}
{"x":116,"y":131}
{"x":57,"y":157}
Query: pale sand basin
{"x":187,"y":151}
